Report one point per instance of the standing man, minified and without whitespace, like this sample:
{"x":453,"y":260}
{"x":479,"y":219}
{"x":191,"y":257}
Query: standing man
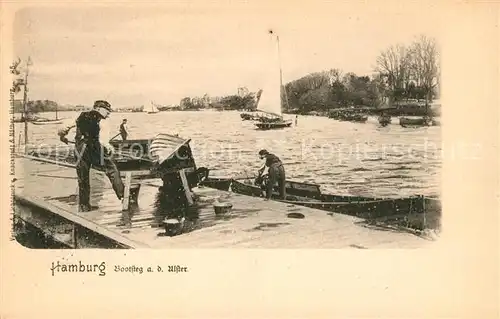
{"x":296,"y":119}
{"x":92,"y":151}
{"x":123,"y":129}
{"x":276,"y":173}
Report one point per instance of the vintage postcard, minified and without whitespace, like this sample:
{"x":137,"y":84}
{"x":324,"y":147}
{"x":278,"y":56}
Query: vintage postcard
{"x":167,"y":127}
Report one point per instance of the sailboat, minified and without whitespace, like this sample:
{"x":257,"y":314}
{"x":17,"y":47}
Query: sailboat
{"x":36,"y":120}
{"x":153,"y":109}
{"x":44,"y":121}
{"x":271,"y":99}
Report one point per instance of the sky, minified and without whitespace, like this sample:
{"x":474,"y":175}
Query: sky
{"x":131,"y":55}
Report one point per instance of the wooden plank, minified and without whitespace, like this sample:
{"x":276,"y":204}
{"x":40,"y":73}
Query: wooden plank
{"x":126,"y":191}
{"x":142,"y":173}
{"x":46,"y":160}
{"x":185,"y":184}
{"x":33,"y":200}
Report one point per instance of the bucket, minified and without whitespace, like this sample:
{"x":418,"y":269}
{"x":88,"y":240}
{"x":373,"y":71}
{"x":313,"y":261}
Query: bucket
{"x":222,"y":208}
{"x":173,"y":226}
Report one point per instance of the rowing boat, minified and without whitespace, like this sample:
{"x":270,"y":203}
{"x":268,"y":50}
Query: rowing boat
{"x":273,"y":125}
{"x":293,"y":188}
{"x":413,"y":122}
{"x":46,"y":122}
{"x":220,"y":183}
{"x":384,"y":120}
{"x":363,"y":207}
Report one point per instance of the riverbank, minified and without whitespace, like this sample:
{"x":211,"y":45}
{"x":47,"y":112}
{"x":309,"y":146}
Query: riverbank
{"x":410,"y":109}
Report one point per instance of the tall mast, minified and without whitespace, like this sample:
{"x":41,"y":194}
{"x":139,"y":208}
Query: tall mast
{"x":281,"y":73}
{"x":282,"y":88}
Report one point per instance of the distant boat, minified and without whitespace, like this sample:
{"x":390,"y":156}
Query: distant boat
{"x":40,"y":120}
{"x":272,"y":106}
{"x":46,"y":122}
{"x":359,"y":118}
{"x":384,"y":120}
{"x":349,"y":115}
{"x":273,"y":125}
{"x":408,"y":122}
{"x":154,"y":109}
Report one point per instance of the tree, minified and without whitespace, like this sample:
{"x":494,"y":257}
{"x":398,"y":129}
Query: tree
{"x":395,"y":64}
{"x":425,"y":65}
{"x":186,"y":103}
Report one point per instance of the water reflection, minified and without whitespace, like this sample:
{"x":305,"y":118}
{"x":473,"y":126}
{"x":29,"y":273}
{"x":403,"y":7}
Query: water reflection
{"x":175,"y":216}
{"x":171,"y":205}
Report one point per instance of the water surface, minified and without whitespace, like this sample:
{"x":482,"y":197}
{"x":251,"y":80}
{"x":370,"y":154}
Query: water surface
{"x":343,"y":157}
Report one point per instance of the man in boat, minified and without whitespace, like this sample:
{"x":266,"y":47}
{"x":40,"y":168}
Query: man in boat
{"x":91,"y":150}
{"x":123,"y":130}
{"x":276,"y":173}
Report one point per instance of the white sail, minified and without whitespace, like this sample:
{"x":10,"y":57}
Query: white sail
{"x":270,"y":100}
{"x":153,"y":109}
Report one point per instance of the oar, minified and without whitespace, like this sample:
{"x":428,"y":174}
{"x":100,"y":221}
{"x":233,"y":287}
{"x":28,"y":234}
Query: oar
{"x":114,"y":137}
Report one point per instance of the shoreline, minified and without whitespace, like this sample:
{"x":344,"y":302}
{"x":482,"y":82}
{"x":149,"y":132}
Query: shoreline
{"x":393,"y":112}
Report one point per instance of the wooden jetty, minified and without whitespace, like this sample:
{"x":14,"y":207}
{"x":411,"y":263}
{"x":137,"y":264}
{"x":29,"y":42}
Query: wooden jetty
{"x":45,"y":198}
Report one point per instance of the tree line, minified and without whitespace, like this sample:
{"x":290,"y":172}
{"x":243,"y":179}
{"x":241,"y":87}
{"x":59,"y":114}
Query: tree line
{"x":39,"y":106}
{"x":402,"y":72}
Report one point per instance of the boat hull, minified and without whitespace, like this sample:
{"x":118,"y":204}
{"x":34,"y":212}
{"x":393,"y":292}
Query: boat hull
{"x":384,"y":120}
{"x":357,"y":118}
{"x":47,"y":122}
{"x":363,"y":207}
{"x":348,"y":117}
{"x":222,"y":184}
{"x":407,"y":122}
{"x":296,"y":189}
{"x":273,"y":125}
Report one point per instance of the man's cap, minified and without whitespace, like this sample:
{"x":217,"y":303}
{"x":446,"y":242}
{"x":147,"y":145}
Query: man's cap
{"x":263,"y":152}
{"x":103,"y":104}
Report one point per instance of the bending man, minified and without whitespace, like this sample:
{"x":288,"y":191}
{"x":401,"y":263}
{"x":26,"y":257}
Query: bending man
{"x":276,"y":173}
{"x":91,"y":151}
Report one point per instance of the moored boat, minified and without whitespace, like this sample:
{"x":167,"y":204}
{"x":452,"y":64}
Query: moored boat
{"x":46,"y":122}
{"x":384,"y":120}
{"x":413,"y":122}
{"x":349,"y":115}
{"x":221,"y":183}
{"x":246,"y":116}
{"x":273,"y":125}
{"x":293,"y":188}
{"x":359,"y":118}
{"x":363,"y":207}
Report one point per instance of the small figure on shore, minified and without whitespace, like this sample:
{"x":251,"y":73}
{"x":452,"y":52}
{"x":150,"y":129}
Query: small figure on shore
{"x":296,"y":119}
{"x":92,"y":151}
{"x":276,"y":173}
{"x":123,"y":130}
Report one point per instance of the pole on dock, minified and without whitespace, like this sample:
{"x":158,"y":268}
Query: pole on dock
{"x":25,"y":105}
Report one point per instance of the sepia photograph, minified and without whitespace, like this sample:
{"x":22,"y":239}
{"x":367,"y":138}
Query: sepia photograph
{"x":151,"y":127}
